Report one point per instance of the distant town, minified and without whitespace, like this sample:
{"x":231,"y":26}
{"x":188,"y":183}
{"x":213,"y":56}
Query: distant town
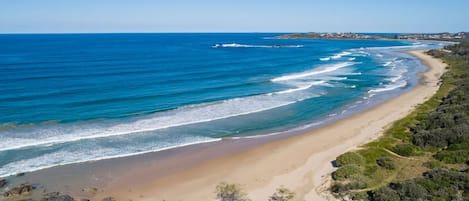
{"x":458,"y":37}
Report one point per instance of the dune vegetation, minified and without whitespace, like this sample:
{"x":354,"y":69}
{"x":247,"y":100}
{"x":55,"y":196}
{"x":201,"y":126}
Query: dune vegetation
{"x":423,"y":156}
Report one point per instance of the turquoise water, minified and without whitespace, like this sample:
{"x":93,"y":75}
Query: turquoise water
{"x":68,"y":98}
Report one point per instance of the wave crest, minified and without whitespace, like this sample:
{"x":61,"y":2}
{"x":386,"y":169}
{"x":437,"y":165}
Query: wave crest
{"x":321,"y":70}
{"x":336,"y":56}
{"x":186,"y":115}
{"x":389,"y":87}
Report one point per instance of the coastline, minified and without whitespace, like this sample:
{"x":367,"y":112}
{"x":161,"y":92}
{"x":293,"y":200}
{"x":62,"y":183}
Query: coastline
{"x":260,"y":165}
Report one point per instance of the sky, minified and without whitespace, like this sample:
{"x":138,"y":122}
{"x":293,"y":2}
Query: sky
{"x":90,"y":16}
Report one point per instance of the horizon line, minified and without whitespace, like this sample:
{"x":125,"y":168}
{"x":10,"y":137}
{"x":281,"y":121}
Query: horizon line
{"x":215,"y":32}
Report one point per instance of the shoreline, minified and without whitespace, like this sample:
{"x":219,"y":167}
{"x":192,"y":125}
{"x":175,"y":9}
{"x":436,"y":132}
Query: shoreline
{"x":258,"y":164}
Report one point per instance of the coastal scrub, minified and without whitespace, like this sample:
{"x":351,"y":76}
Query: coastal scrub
{"x":423,"y":156}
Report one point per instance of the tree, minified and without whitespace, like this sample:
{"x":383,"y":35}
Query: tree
{"x":282,"y":194}
{"x":230,"y":192}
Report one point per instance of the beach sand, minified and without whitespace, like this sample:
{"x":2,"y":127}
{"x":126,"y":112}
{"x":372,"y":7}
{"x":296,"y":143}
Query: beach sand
{"x":302,"y":163}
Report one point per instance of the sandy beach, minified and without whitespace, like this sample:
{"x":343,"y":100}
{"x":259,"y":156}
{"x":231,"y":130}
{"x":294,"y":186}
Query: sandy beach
{"x":301,"y":162}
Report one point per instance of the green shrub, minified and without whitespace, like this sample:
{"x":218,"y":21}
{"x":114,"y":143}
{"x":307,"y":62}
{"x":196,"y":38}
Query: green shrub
{"x":385,"y":194}
{"x":405,"y":149}
{"x":349,"y":158}
{"x":462,"y":146}
{"x":438,"y":184}
{"x":370,"y":170}
{"x":359,"y":196}
{"x":230,"y":192}
{"x":282,"y":194}
{"x":407,"y":190}
{"x":455,"y":153}
{"x":433,"y":164}
{"x":385,"y":162}
{"x":339,"y":188}
{"x":453,"y":157}
{"x":346,"y":172}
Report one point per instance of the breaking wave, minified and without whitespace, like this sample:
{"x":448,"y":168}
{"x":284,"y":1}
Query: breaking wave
{"x":320,"y":70}
{"x":389,"y":87}
{"x":186,"y":115}
{"x":336,"y":56}
{"x":85,"y":155}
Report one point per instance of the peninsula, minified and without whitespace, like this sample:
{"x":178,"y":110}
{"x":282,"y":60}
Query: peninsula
{"x":455,"y":37}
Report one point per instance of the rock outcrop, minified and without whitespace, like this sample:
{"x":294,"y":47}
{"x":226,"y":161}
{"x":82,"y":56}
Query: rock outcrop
{"x":20,"y":190}
{"x":56,"y":196}
{"x":108,"y":199}
{"x":3,"y":182}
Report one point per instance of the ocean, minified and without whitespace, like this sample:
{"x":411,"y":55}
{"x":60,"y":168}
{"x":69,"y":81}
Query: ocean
{"x":69,"y":98}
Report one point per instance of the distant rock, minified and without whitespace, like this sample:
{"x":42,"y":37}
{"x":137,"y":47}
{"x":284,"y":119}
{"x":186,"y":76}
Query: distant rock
{"x":91,"y":191}
{"x":84,"y":199}
{"x":3,"y":182}
{"x":108,"y":199}
{"x":22,"y":189}
{"x":55,"y":196}
{"x":20,"y":174}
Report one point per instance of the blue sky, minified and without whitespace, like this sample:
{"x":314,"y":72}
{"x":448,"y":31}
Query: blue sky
{"x":58,"y":16}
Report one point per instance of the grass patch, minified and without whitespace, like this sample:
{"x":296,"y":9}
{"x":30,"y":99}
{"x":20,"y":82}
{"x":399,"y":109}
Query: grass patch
{"x":350,"y":158}
{"x":406,"y":150}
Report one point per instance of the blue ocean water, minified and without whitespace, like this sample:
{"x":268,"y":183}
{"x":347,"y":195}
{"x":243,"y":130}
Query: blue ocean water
{"x":68,"y":98}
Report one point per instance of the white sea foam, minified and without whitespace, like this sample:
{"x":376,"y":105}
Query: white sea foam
{"x":333,"y":78}
{"x":301,"y":88}
{"x":359,"y":53}
{"x":336,"y":56}
{"x":340,"y":55}
{"x":388,"y":63}
{"x":320,"y":70}
{"x":352,"y":59}
{"x":352,"y":73}
{"x":257,"y":136}
{"x":300,"y":128}
{"x":395,"y":78}
{"x":389,"y":87}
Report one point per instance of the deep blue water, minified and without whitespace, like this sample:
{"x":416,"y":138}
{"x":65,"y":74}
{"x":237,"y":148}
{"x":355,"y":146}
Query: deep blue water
{"x":69,"y":98}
